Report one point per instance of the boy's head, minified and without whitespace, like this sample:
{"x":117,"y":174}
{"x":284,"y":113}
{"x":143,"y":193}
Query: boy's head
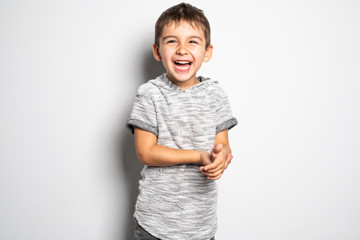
{"x":182,"y":43}
{"x":183,"y":12}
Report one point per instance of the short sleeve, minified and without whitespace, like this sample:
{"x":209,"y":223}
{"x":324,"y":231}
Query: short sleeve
{"x":143,"y":114}
{"x":224,"y":117}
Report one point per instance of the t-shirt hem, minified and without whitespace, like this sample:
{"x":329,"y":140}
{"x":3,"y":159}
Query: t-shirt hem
{"x":139,"y":221}
{"x":144,"y":226}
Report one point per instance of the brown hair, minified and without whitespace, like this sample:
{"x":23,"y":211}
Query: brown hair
{"x":186,"y":12}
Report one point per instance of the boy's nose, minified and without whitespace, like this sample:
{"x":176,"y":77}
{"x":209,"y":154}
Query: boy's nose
{"x":181,"y":50}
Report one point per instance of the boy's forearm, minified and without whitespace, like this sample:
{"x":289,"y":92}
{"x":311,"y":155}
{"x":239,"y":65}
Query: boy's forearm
{"x":152,"y":154}
{"x":159,"y":155}
{"x":222,"y":138}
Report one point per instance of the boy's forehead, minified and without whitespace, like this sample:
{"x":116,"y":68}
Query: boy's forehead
{"x":173,"y":25}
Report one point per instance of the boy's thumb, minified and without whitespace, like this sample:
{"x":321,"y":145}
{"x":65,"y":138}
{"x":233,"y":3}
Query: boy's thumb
{"x":218,"y":148}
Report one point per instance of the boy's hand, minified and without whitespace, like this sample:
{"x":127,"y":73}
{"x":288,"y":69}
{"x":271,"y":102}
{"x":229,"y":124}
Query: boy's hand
{"x":219,"y":161}
{"x":205,"y":159}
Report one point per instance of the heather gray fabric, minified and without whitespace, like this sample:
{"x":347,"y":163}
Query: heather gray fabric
{"x":178,"y":202}
{"x":142,"y":234}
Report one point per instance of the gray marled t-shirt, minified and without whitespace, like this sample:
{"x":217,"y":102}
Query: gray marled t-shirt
{"x":178,"y":202}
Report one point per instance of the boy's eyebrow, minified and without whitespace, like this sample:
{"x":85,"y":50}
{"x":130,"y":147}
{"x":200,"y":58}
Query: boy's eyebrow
{"x":169,"y":36}
{"x":196,"y":37}
{"x":173,"y":36}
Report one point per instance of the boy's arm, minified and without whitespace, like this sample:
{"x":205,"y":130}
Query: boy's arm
{"x":152,"y":154}
{"x":221,"y":157}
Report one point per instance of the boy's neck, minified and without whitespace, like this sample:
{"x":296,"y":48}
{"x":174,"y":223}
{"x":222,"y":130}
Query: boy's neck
{"x":183,"y":85}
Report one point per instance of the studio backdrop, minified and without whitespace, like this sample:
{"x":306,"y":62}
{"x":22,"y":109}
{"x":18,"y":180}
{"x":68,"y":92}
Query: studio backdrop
{"x":69,"y":71}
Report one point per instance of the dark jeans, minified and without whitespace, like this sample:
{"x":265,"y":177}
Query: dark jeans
{"x":142,"y":234}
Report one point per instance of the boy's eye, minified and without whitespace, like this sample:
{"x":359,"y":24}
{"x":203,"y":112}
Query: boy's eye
{"x":193,"y":42}
{"x":170,"y":41}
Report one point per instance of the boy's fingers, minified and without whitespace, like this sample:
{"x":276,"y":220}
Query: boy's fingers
{"x":213,"y":175}
{"x":215,"y":178}
{"x":226,"y":164}
{"x":212,"y":165}
{"x":228,"y":160}
{"x":216,"y":169}
{"x":217,"y":173}
{"x":229,"y":157}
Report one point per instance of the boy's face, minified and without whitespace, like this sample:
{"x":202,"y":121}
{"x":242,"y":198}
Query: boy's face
{"x":182,"y":52}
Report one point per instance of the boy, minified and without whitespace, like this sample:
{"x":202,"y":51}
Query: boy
{"x":180,"y":123}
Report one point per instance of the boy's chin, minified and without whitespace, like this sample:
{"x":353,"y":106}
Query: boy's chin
{"x":181,"y":78}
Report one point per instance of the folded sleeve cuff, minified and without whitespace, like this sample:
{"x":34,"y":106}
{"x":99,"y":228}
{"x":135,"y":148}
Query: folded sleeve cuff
{"x":228,"y":124}
{"x":131,"y":123}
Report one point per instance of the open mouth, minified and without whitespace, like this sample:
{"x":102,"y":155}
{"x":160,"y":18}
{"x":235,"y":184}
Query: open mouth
{"x":182,"y":65}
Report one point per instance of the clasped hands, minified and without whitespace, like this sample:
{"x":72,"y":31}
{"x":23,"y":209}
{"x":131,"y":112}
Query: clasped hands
{"x":215,"y":162}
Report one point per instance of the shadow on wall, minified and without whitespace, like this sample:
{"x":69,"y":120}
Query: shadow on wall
{"x":130,"y":164}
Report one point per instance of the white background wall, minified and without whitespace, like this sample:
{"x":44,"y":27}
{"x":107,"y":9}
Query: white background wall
{"x":68,"y":75}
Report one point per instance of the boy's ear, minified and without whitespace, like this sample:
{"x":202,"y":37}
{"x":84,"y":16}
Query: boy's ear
{"x":208,"y":53}
{"x":156,"y":52}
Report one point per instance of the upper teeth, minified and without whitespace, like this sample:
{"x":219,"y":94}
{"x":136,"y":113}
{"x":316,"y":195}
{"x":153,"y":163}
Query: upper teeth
{"x":182,"y":62}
